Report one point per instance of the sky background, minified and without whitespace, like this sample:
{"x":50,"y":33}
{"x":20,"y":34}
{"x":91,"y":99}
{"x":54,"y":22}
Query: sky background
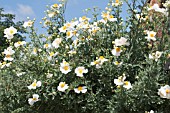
{"x":35,"y":8}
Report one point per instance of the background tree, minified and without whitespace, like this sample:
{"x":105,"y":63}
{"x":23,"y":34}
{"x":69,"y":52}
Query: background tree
{"x":7,"y":20}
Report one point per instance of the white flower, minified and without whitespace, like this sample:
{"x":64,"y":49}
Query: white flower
{"x":151,"y":36}
{"x":8,"y":57}
{"x":84,"y":18}
{"x":49,"y":75}
{"x":151,"y":111}
{"x":80,"y":70}
{"x":8,"y":64}
{"x":20,"y":74}
{"x":164,"y":92}
{"x":9,"y":32}
{"x":63,"y":29}
{"x":127,"y":85}
{"x":31,"y":101}
{"x":65,"y":67}
{"x":167,"y":4}
{"x":120,"y":80}
{"x":56,"y":42}
{"x":54,"y":6}
{"x":72,"y":52}
{"x":99,"y":62}
{"x":69,"y":34}
{"x":82,"y":89}
{"x":34,"y":85}
{"x":47,"y":46}
{"x":28,"y":24}
{"x":51,"y":14}
{"x":8,"y":53}
{"x":62,"y":86}
{"x":116,"y":51}
{"x":156,"y":8}
{"x":117,"y":3}
{"x":121,"y":42}
{"x":19,"y":43}
{"x":155,"y":56}
{"x":102,"y":59}
{"x":111,"y":18}
{"x":3,"y":64}
{"x":118,"y":63}
{"x":34,"y":51}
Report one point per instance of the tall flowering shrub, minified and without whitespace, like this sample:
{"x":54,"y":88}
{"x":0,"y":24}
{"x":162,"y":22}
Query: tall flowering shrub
{"x":89,"y":65}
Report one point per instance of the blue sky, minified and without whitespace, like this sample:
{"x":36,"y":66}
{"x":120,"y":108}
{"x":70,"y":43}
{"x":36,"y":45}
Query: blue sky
{"x":35,"y":8}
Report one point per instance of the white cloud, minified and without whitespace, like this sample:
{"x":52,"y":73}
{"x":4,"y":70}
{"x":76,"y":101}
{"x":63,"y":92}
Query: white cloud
{"x":25,"y":10}
{"x":21,"y":12}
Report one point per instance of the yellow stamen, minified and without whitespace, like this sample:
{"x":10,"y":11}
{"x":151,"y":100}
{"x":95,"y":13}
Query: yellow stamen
{"x":62,"y":85}
{"x":8,"y":56}
{"x":11,"y":31}
{"x":66,"y":68}
{"x":117,"y":1}
{"x":80,"y":88}
{"x":118,"y":49}
{"x":80,"y":71}
{"x":55,"y":5}
{"x":151,"y":35}
{"x":34,"y":98}
{"x":126,"y":83}
{"x":167,"y":90}
{"x":34,"y":84}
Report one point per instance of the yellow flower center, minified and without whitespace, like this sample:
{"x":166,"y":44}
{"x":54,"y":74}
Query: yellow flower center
{"x":68,"y":33}
{"x":19,"y":42}
{"x":94,"y":31}
{"x":62,"y":85}
{"x":80,"y":88}
{"x":68,"y":25}
{"x":117,"y":1}
{"x":126,"y":83}
{"x":3,"y":63}
{"x":35,"y":50}
{"x":104,"y":15}
{"x":8,"y":56}
{"x":11,"y":31}
{"x":80,"y":71}
{"x":84,"y":18}
{"x":64,"y":27}
{"x":111,"y":16}
{"x":34,"y":98}
{"x":151,"y":35}
{"x":167,"y":90}
{"x":29,"y":23}
{"x":51,"y":54}
{"x":101,"y":57}
{"x":75,"y":32}
{"x":34,"y":84}
{"x":55,"y":5}
{"x":118,"y":49}
{"x":66,"y":68}
{"x":117,"y":63}
{"x":96,"y":62}
{"x":46,"y":45}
